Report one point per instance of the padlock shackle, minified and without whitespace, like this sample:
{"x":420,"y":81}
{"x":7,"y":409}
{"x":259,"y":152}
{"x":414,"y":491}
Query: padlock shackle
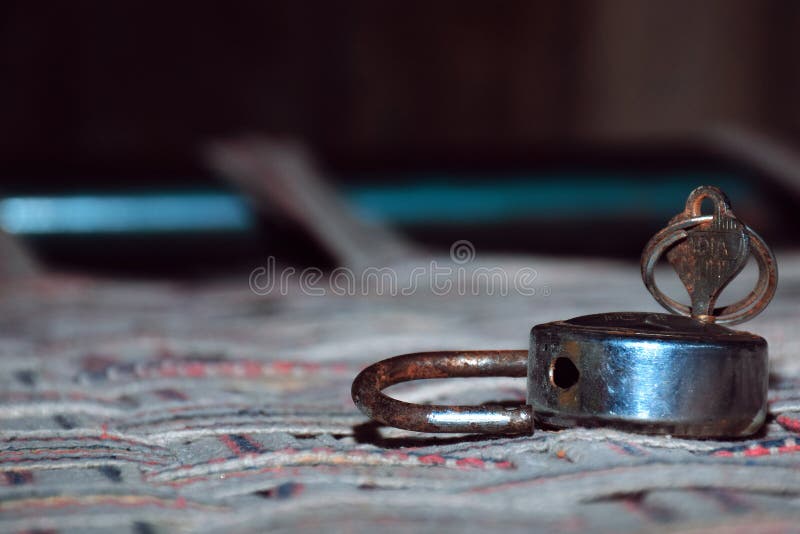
{"x":485,"y":419}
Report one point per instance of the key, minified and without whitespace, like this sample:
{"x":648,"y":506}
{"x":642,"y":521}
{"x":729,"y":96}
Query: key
{"x":713,"y":252}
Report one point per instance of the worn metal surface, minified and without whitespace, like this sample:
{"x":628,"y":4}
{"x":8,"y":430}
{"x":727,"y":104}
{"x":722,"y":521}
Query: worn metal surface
{"x":707,"y":252}
{"x":433,"y":418}
{"x":648,"y":372}
{"x":713,"y":252}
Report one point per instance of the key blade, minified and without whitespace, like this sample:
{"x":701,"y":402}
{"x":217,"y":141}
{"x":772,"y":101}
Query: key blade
{"x":712,"y":254}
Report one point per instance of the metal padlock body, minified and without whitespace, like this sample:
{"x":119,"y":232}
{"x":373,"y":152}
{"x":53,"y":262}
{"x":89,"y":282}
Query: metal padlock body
{"x":683,"y":374}
{"x":648,"y":372}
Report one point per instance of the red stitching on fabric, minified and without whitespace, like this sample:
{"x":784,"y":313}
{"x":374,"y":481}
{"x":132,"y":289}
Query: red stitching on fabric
{"x":789,"y":423}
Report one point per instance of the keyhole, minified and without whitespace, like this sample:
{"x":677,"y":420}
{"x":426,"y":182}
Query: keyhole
{"x":563,"y":373}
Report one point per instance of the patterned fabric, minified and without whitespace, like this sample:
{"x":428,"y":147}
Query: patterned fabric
{"x":145,"y":407}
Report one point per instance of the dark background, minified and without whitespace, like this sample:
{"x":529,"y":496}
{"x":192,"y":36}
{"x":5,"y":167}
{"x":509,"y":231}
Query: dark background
{"x":126,"y":94}
{"x":143,"y":83}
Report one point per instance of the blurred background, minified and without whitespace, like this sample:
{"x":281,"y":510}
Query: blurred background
{"x":184,"y":139}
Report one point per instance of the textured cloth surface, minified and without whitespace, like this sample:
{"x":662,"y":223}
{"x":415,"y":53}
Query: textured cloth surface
{"x":144,"y":406}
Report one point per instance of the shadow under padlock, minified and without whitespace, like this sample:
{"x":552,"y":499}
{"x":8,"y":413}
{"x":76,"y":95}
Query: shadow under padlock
{"x":683,"y":374}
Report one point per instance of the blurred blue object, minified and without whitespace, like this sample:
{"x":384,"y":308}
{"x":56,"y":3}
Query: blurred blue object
{"x":453,"y":200}
{"x":412,"y":200}
{"x":140,"y":213}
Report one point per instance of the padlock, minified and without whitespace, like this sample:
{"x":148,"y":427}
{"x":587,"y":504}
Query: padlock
{"x":683,"y":375}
